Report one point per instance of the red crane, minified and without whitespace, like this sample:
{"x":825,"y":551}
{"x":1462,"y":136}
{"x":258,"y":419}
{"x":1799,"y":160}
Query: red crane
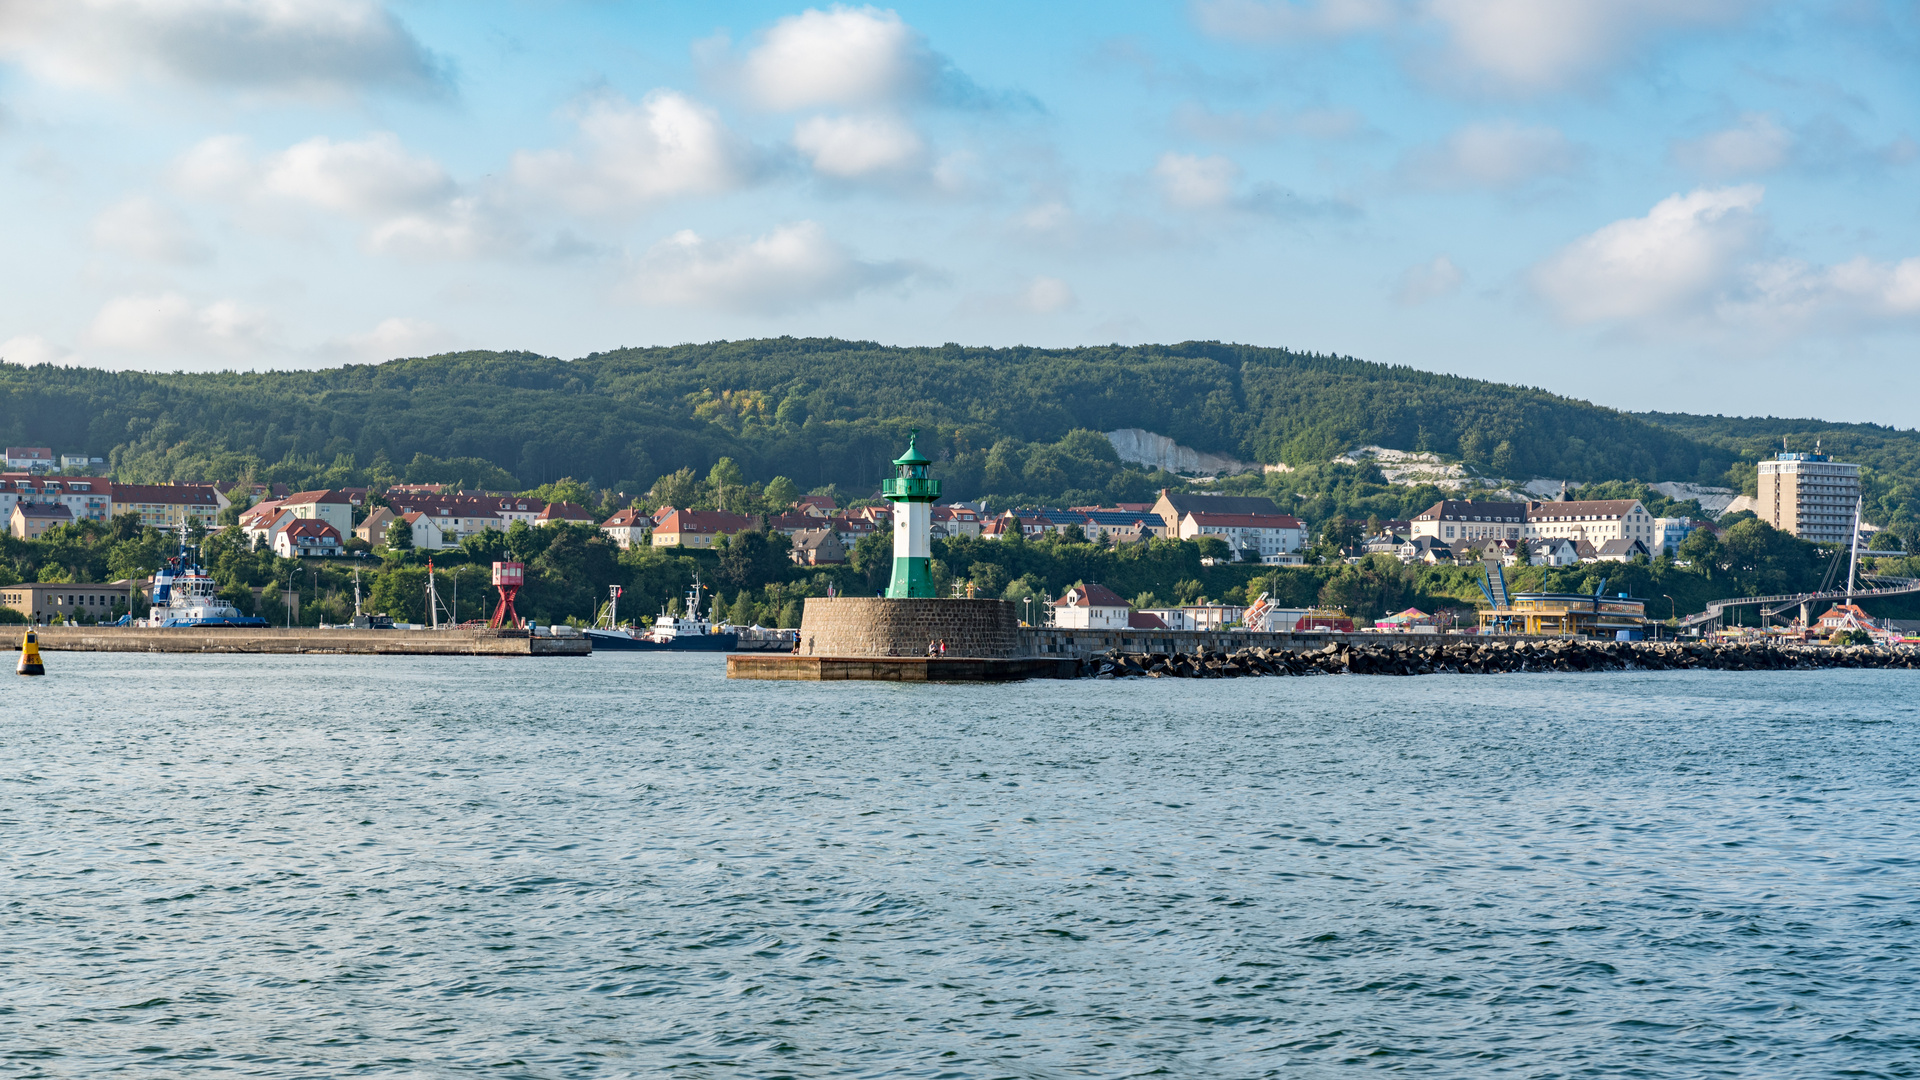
{"x":507,"y":577}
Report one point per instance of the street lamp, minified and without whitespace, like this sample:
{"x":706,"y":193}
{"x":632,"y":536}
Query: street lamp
{"x":1673,"y":614}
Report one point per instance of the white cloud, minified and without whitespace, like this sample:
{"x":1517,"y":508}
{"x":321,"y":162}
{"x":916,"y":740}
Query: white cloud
{"x":1428,"y":281}
{"x":1497,"y":155}
{"x":280,"y":46}
{"x":393,"y":337}
{"x":463,"y":228}
{"x":1046,"y":295}
{"x":1525,"y":45}
{"x":1694,"y":262}
{"x":849,"y":147}
{"x":1197,"y":183}
{"x":1669,"y":265}
{"x":30,"y":349}
{"x":371,"y":177}
{"x":169,"y":323}
{"x":634,"y":155}
{"x":841,"y":56}
{"x":141,"y":227}
{"x":794,"y":266}
{"x":1755,"y":146}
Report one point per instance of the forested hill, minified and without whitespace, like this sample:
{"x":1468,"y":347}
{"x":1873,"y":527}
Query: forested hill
{"x":818,"y":410}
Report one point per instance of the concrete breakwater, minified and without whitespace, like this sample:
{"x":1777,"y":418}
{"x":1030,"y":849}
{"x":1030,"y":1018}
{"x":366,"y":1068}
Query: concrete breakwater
{"x":1484,"y":658}
{"x":308,"y":640}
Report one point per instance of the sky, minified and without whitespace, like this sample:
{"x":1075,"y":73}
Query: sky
{"x":1700,"y":205}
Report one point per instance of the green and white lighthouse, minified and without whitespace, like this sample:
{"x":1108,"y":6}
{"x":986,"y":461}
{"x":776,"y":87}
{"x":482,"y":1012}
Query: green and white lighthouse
{"x":912,"y":493}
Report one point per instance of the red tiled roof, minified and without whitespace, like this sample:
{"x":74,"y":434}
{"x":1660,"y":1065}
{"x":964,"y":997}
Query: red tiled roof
{"x":705,"y":521}
{"x":178,"y":494}
{"x":1144,"y":620}
{"x":1090,"y":596}
{"x":564,"y":511}
{"x":630,"y":518}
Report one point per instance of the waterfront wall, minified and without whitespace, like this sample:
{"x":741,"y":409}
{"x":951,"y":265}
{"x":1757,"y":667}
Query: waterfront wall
{"x":1054,"y":641}
{"x":468,"y":642}
{"x":873,"y":626}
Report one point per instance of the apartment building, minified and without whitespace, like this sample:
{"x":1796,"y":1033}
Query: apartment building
{"x":167,"y":506}
{"x":1811,"y":496}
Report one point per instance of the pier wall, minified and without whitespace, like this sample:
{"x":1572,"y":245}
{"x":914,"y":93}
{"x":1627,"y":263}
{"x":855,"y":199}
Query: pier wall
{"x":1055,"y":641}
{"x":300,"y":640}
{"x":873,"y":626}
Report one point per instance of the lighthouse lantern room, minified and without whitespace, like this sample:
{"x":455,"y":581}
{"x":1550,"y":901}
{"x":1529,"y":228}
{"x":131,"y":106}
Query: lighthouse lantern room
{"x":912,"y":493}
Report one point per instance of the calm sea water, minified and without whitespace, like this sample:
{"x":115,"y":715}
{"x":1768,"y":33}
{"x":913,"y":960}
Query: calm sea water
{"x":628,"y":866}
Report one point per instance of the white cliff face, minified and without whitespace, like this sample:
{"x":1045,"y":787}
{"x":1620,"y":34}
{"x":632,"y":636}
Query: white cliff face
{"x":1159,"y":452}
{"x":1715,"y":501}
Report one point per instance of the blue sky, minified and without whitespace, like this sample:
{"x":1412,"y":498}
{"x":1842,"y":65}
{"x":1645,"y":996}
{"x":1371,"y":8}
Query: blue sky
{"x":1705,"y":205}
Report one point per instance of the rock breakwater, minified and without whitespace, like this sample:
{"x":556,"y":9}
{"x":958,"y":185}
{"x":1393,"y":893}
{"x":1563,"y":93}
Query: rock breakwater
{"x":1481,"y":658}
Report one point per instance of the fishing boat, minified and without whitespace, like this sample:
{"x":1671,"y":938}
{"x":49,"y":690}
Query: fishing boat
{"x":669,"y":633}
{"x":183,"y":595}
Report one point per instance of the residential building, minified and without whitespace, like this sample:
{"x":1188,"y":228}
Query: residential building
{"x":700,"y":528}
{"x":1811,"y":496}
{"x":1450,"y":520}
{"x":1091,"y":607}
{"x":1620,"y":550}
{"x":30,"y":519}
{"x":87,"y":498}
{"x":1170,"y":508}
{"x":42,"y":603}
{"x":1145,"y":620}
{"x":818,"y":547}
{"x":1554,"y":551}
{"x":374,"y":528}
{"x":404,"y":490}
{"x":1595,"y":522}
{"x":1427,"y":550}
{"x":816,"y":506}
{"x":948,"y":521}
{"x":1171,"y":618}
{"x":1250,"y":536}
{"x":307,"y":536}
{"x":73,"y":461}
{"x":1120,"y":526}
{"x":563,"y":513}
{"x":168,"y":506}
{"x":332,"y":507}
{"x":462,"y":514}
{"x":427,"y":534}
{"x":30,"y":459}
{"x":628,"y":527}
{"x":852,"y":530}
{"x":1668,"y":533}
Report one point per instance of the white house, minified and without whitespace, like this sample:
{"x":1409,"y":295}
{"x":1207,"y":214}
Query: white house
{"x":1090,"y":607}
{"x":1554,"y":551}
{"x":307,"y":536}
{"x":426,"y":532}
{"x":1268,"y":534}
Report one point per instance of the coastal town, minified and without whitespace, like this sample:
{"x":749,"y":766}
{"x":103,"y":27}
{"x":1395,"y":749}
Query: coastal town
{"x":1805,"y":495}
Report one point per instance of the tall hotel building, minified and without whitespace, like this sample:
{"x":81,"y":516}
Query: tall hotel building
{"x":1811,"y":496}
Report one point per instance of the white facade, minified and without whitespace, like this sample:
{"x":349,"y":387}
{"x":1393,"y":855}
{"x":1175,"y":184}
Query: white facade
{"x":1266,"y":534}
{"x":1667,"y":535}
{"x":910,"y":530}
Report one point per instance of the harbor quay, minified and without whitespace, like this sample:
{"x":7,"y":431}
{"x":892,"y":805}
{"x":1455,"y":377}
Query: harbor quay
{"x":465,"y":641}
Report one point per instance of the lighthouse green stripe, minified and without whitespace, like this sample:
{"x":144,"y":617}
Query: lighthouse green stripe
{"x":912,"y":579}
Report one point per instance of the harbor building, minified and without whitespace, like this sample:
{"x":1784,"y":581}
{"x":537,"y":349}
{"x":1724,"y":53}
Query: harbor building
{"x":41,"y":602}
{"x":1811,"y":496}
{"x":1567,"y":615}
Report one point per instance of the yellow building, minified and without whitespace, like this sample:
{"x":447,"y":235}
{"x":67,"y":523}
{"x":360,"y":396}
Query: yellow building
{"x":166,"y":506}
{"x":1566,"y":615}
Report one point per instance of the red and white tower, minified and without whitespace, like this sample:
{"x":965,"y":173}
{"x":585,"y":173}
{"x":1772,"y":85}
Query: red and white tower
{"x":507,"y":577}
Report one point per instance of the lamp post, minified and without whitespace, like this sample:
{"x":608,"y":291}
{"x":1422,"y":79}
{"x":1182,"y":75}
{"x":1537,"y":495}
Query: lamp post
{"x":1673,"y":615}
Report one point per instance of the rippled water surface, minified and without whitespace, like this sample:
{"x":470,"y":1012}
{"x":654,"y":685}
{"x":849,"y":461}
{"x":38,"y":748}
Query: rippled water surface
{"x":628,"y":866}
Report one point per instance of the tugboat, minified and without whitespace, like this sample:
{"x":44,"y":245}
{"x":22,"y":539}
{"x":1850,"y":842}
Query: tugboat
{"x":669,"y":633}
{"x":183,"y":595}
